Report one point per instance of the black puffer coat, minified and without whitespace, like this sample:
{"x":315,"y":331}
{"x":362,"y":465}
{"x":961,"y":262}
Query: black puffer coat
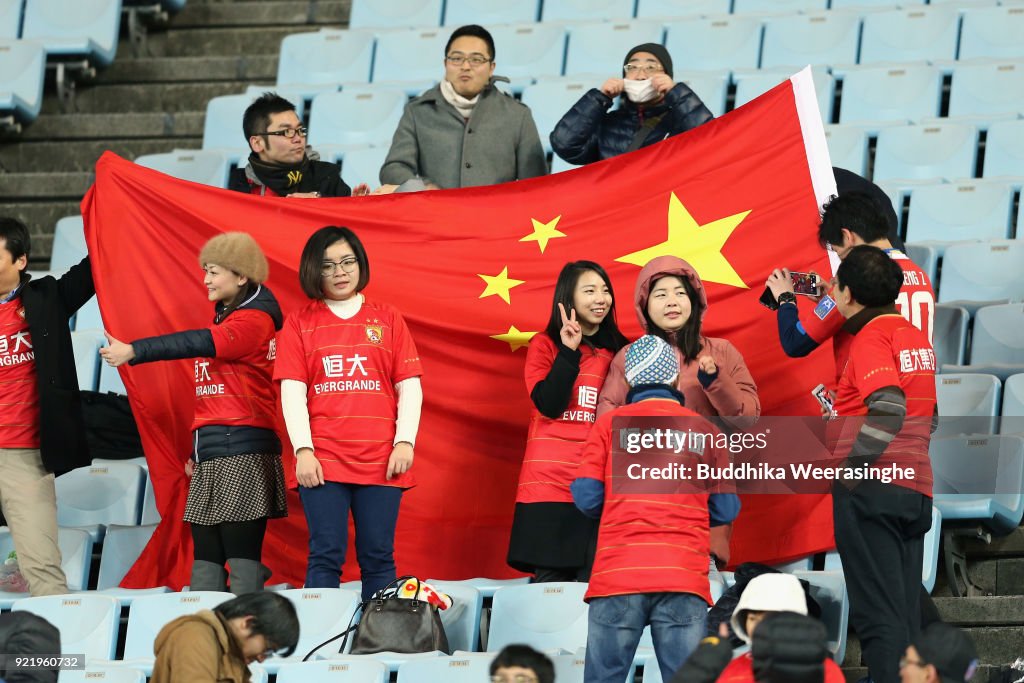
{"x":589,"y":132}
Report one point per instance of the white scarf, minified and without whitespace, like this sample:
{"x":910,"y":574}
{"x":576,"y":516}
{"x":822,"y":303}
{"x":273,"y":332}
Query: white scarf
{"x":462,"y":105}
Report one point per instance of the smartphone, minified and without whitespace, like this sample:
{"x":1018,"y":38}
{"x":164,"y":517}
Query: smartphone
{"x":768,"y":300}
{"x":820,"y":393}
{"x":804,"y":283}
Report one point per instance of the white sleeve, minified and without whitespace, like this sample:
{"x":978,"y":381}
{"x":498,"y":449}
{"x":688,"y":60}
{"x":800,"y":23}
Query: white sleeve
{"x":296,"y":413}
{"x":410,"y":400}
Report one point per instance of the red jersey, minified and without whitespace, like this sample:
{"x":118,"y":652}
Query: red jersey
{"x":916,"y":303}
{"x":889,"y":351}
{"x":19,"y":393}
{"x":648,"y":543}
{"x":350,"y":368}
{"x":236,"y":386}
{"x":553,"y":446}
{"x":741,"y":670}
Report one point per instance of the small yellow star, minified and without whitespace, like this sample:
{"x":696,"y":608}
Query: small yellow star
{"x":499,"y":284}
{"x":542,"y":232}
{"x":700,"y":245}
{"x":514,"y":338}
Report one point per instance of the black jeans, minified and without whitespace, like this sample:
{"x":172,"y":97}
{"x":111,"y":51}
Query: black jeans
{"x":879,"y":531}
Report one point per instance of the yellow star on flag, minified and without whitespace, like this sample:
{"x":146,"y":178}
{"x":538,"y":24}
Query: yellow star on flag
{"x":515,"y":338}
{"x":542,"y":232}
{"x":499,"y":284}
{"x":700,"y":245}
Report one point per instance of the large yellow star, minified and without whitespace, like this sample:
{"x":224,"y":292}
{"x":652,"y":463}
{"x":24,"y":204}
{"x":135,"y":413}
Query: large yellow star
{"x":542,"y":232}
{"x":700,"y":245}
{"x":499,"y":284}
{"x":514,"y":337}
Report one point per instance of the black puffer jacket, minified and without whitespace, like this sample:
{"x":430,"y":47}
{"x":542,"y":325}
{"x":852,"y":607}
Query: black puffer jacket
{"x":589,"y":132}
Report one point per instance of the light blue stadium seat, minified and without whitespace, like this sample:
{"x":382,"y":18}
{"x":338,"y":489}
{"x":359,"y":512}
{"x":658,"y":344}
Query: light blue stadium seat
{"x":777,"y":6}
{"x":412,"y":59}
{"x":558,"y":164}
{"x":848,"y":147}
{"x":22,"y":71}
{"x":222,"y":127}
{"x":979,"y":479}
{"x":711,"y":86}
{"x":87,"y":621}
{"x":68,"y":243}
{"x":1012,"y":412}
{"x":999,"y":332}
{"x":362,"y":165}
{"x":10,"y":19}
{"x":97,"y":673}
{"x":542,"y":615}
{"x":489,"y":13}
{"x":968,"y":404}
{"x":721,"y":42}
{"x":357,"y":671}
{"x":930,"y":563}
{"x":987,"y":87}
{"x":818,"y":38}
{"x":122,"y":545}
{"x":657,"y":9}
{"x":321,"y":61}
{"x":392,"y":661}
{"x":529,"y":52}
{"x":148,"y":614}
{"x":947,"y":212}
{"x":82,"y":28}
{"x":925,"y":152}
{"x":884,"y":93}
{"x":203,"y":166}
{"x":395,"y":13}
{"x":587,"y":10}
{"x":569,"y":668}
{"x":1004,"y":150}
{"x":461,"y":620}
{"x":150,"y":514}
{"x":86,"y":346}
{"x":868,"y":4}
{"x":599,"y":47}
{"x":926,"y":257}
{"x":992,"y":32}
{"x":984,"y":271}
{"x":356,"y":116}
{"x":75,"y":557}
{"x":92,"y":497}
{"x":549,"y":100}
{"x":751,"y":84}
{"x":488,"y":587}
{"x":463,"y":668}
{"x":828,"y":588}
{"x":949,"y":330}
{"x":323,"y":613}
{"x":911,"y":34}
{"x":88,"y":318}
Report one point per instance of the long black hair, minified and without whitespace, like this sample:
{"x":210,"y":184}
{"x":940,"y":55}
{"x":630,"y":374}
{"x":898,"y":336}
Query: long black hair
{"x":608,"y":334}
{"x":687,"y":339}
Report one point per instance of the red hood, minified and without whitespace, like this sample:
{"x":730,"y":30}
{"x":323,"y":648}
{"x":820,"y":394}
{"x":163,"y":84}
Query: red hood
{"x":665,"y":265}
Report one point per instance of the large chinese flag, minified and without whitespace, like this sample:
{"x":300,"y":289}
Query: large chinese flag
{"x":473,"y":272}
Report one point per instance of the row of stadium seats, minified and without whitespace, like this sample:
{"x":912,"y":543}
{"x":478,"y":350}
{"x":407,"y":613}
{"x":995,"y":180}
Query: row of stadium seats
{"x":108,"y":492}
{"x":979,"y":404}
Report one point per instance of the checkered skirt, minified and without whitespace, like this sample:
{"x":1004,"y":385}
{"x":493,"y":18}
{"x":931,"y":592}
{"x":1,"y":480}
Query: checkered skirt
{"x":237,"y":488}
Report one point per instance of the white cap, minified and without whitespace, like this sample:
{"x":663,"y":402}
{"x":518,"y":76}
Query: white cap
{"x":769,"y":593}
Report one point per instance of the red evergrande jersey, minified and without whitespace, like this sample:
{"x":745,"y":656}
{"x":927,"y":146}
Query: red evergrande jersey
{"x":916,"y":303}
{"x":19,"y":394}
{"x":889,"y":351}
{"x":553,"y":446}
{"x":236,"y":386}
{"x":350,"y":368}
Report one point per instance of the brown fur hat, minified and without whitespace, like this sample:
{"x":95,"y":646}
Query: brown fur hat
{"x":236,"y":251}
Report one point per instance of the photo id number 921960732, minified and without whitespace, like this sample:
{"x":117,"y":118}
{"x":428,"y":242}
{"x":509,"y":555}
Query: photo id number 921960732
{"x":44,"y":662}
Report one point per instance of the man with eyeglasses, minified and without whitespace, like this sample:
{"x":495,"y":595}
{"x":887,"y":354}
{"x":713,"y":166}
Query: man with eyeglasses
{"x":464,"y":132}
{"x":653,"y":108}
{"x":281,"y":164}
{"x":941,"y":654}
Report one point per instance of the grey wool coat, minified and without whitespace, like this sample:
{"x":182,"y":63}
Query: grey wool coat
{"x":498,"y":144}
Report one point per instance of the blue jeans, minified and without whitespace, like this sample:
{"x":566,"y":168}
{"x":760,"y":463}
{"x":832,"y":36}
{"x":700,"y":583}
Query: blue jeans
{"x":616,"y":623}
{"x":375,"y":513}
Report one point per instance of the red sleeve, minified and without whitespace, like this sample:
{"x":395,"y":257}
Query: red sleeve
{"x":820,"y":322}
{"x":291,"y":357}
{"x":873,"y":364}
{"x":594,"y":458}
{"x":540,"y":355}
{"x":406,"y":359}
{"x":241,"y":333}
{"x":615,"y":388}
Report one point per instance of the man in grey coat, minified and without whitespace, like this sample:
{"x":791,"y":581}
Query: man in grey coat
{"x":465,"y":132}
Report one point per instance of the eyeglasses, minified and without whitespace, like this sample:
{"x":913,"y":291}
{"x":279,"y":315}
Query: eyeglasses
{"x":517,"y":678}
{"x":329,"y":268}
{"x":457,"y":59}
{"x":912,"y":662}
{"x":287,"y":133}
{"x":642,"y":68}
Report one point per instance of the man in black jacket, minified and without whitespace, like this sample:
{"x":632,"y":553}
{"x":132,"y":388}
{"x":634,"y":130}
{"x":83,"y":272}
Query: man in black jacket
{"x":41,"y":426}
{"x":654,"y":107}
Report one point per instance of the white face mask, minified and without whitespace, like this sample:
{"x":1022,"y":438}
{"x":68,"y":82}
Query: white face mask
{"x":640,"y":91}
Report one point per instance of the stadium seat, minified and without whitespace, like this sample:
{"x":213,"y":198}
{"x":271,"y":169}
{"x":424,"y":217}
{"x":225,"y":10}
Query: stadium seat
{"x":10,"y":19}
{"x":488,"y":587}
{"x":865,"y":4}
{"x":979,"y":479}
{"x":586,"y":10}
{"x":1012,"y":421}
{"x":987,"y":88}
{"x":356,"y":116}
{"x":461,"y":620}
{"x":392,"y":661}
{"x":87,"y":622}
{"x":984,"y":271}
{"x":412,"y":60}
{"x":968,"y":404}
{"x":75,"y":556}
{"x":464,"y":668}
{"x":323,"y":613}
{"x":926,"y":152}
{"x":751,"y":84}
{"x":204,"y":166}
{"x":847,"y":147}
{"x":150,"y":514}
{"x":357,"y":671}
{"x":819,"y":39}
{"x":828,"y":588}
{"x":1004,"y":150}
{"x":490,"y":13}
{"x":92,"y":497}
{"x":542,"y":615}
{"x":97,"y":673}
{"x":558,"y":164}
{"x":897,"y":93}
{"x":88,"y":28}
{"x":722,"y":42}
{"x":926,"y":257}
{"x":947,"y":212}
{"x":394,"y":13}
{"x":222,"y":127}
{"x":599,"y":47}
{"x":992,"y":32}
{"x":68,"y":243}
{"x":122,"y":545}
{"x":777,"y":6}
{"x":950,"y":334}
{"x":569,"y":668}
{"x":657,"y":9}
{"x":529,"y":51}
{"x":911,"y":34}
{"x":711,"y":86}
{"x":317,"y":62}
{"x":930,"y":563}
{"x":22,"y":71}
{"x":548,"y":101}
{"x":999,"y":333}
{"x":148,"y":614}
{"x":85,"y":344}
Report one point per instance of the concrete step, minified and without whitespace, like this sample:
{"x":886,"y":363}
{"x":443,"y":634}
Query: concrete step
{"x":262,"y":13}
{"x":213,"y":42}
{"x":993,"y":575}
{"x":985,"y":673}
{"x":107,"y":126}
{"x":996,"y":646}
{"x":157,"y":97}
{"x":999,"y":610}
{"x":1011,"y":545}
{"x":80,"y":156}
{"x":188,"y":69}
{"x":49,"y":186}
{"x":40,"y":217}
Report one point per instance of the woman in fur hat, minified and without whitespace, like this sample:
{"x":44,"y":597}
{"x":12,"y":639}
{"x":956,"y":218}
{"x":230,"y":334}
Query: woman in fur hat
{"x":237,"y":481}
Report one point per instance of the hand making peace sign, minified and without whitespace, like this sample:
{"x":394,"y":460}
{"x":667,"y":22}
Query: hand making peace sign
{"x":571,"y":332}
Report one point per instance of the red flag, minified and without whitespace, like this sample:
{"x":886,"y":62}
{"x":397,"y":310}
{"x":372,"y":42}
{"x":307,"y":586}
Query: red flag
{"x":473,"y":272}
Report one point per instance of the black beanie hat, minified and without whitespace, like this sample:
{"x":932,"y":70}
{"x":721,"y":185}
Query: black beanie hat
{"x":657,"y":50}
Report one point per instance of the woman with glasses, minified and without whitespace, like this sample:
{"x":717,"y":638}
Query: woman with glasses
{"x":350,"y":392}
{"x":237,"y":481}
{"x":653,"y":108}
